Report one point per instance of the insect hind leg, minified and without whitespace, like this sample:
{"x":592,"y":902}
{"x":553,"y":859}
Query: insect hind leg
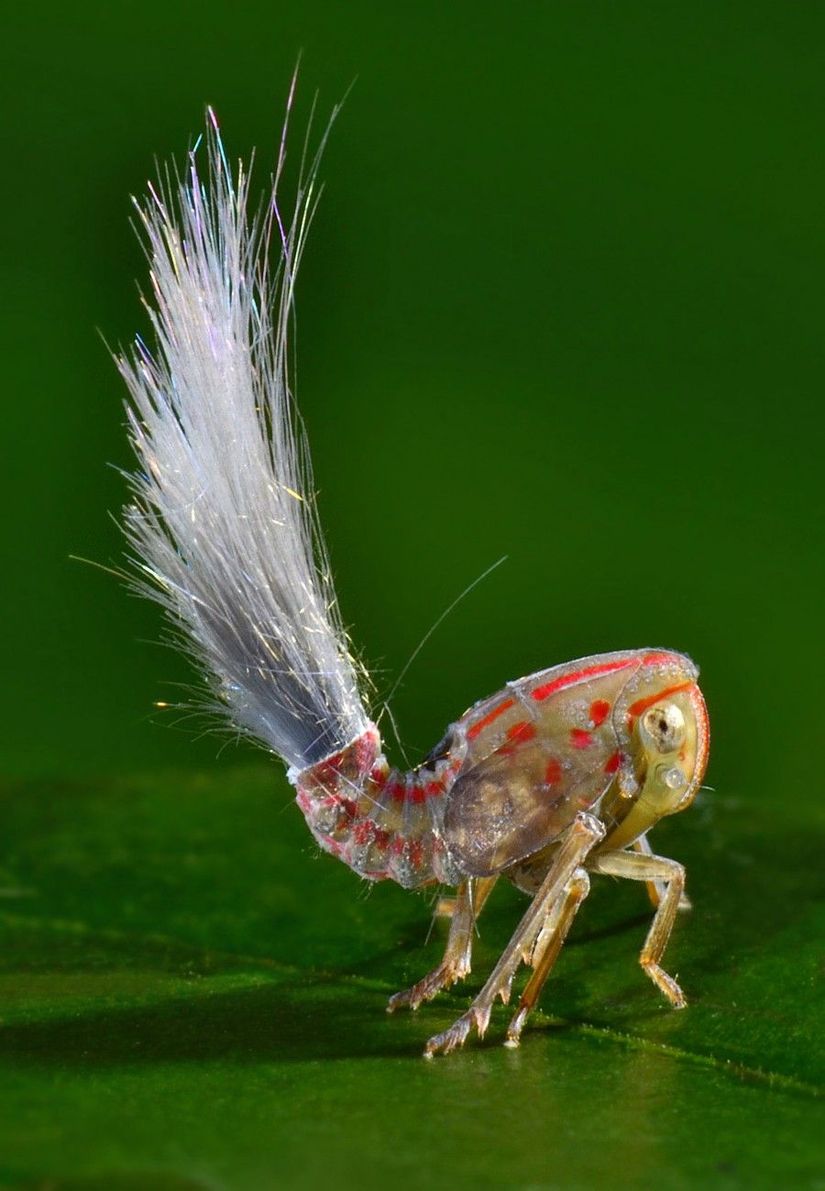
{"x":547,"y":948}
{"x":583,"y":834}
{"x":472,"y":894}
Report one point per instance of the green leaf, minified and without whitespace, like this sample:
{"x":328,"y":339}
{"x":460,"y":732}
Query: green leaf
{"x":191,"y":997}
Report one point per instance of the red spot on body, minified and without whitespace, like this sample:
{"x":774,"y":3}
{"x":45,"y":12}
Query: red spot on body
{"x":613,"y":762}
{"x":348,"y":807}
{"x":397,"y":790}
{"x":642,"y":704}
{"x":397,"y":845}
{"x":362,"y":832}
{"x":416,"y":853}
{"x":478,"y":727}
{"x":382,"y":838}
{"x":433,"y":789}
{"x":522,"y":732}
{"x":559,"y":684}
{"x":599,"y":711}
{"x":417,"y":792}
{"x":329,"y":768}
{"x":553,"y":772}
{"x":518,"y":734}
{"x":580,"y":738}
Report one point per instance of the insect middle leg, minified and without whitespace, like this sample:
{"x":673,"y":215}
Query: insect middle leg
{"x":671,"y":874}
{"x":584,"y":833}
{"x":472,"y":894}
{"x":546,"y":951}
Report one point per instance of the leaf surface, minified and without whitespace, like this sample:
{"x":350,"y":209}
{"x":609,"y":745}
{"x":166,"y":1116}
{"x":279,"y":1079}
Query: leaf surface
{"x":191,"y":997}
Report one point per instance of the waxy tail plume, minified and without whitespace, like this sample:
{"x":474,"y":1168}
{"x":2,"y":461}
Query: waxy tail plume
{"x":222,"y":520}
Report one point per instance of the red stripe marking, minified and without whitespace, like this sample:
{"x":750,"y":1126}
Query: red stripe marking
{"x":416,"y":853}
{"x":657,"y":659}
{"x":580,"y":739}
{"x":417,"y":793}
{"x":642,"y":704}
{"x":703,"y":732}
{"x":599,"y":711}
{"x":382,"y":838}
{"x":485,"y":721}
{"x":553,"y":772}
{"x":521,"y":732}
{"x":558,"y":684}
{"x":613,"y":762}
{"x":433,"y":789}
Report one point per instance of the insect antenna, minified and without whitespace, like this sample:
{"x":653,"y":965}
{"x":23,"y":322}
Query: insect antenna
{"x":385,"y":702}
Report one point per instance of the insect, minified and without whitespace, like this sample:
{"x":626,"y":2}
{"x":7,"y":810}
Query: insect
{"x":559,"y":775}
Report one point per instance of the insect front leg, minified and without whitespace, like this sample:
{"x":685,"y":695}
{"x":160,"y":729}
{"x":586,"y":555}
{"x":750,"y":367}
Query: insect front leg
{"x":671,"y":874}
{"x":472,"y":894}
{"x":583,"y":834}
{"x":546,"y":951}
{"x":656,"y":889}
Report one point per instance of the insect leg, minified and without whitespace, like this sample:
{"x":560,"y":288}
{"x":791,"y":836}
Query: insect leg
{"x":546,"y":951}
{"x":472,"y":894}
{"x":641,"y":867}
{"x":584,"y":832}
{"x":656,"y":889}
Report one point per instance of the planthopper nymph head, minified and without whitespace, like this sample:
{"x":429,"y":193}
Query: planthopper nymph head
{"x":664,"y":721}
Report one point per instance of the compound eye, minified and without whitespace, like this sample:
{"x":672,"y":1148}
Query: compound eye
{"x":665,"y":726}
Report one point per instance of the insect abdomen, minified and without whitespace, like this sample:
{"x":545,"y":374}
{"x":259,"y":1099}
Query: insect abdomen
{"x":379,"y":821}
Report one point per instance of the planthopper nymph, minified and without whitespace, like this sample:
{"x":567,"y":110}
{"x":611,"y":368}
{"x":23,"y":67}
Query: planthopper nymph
{"x":559,"y":775}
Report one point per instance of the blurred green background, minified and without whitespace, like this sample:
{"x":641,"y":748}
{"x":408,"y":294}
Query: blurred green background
{"x":563,"y":301}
